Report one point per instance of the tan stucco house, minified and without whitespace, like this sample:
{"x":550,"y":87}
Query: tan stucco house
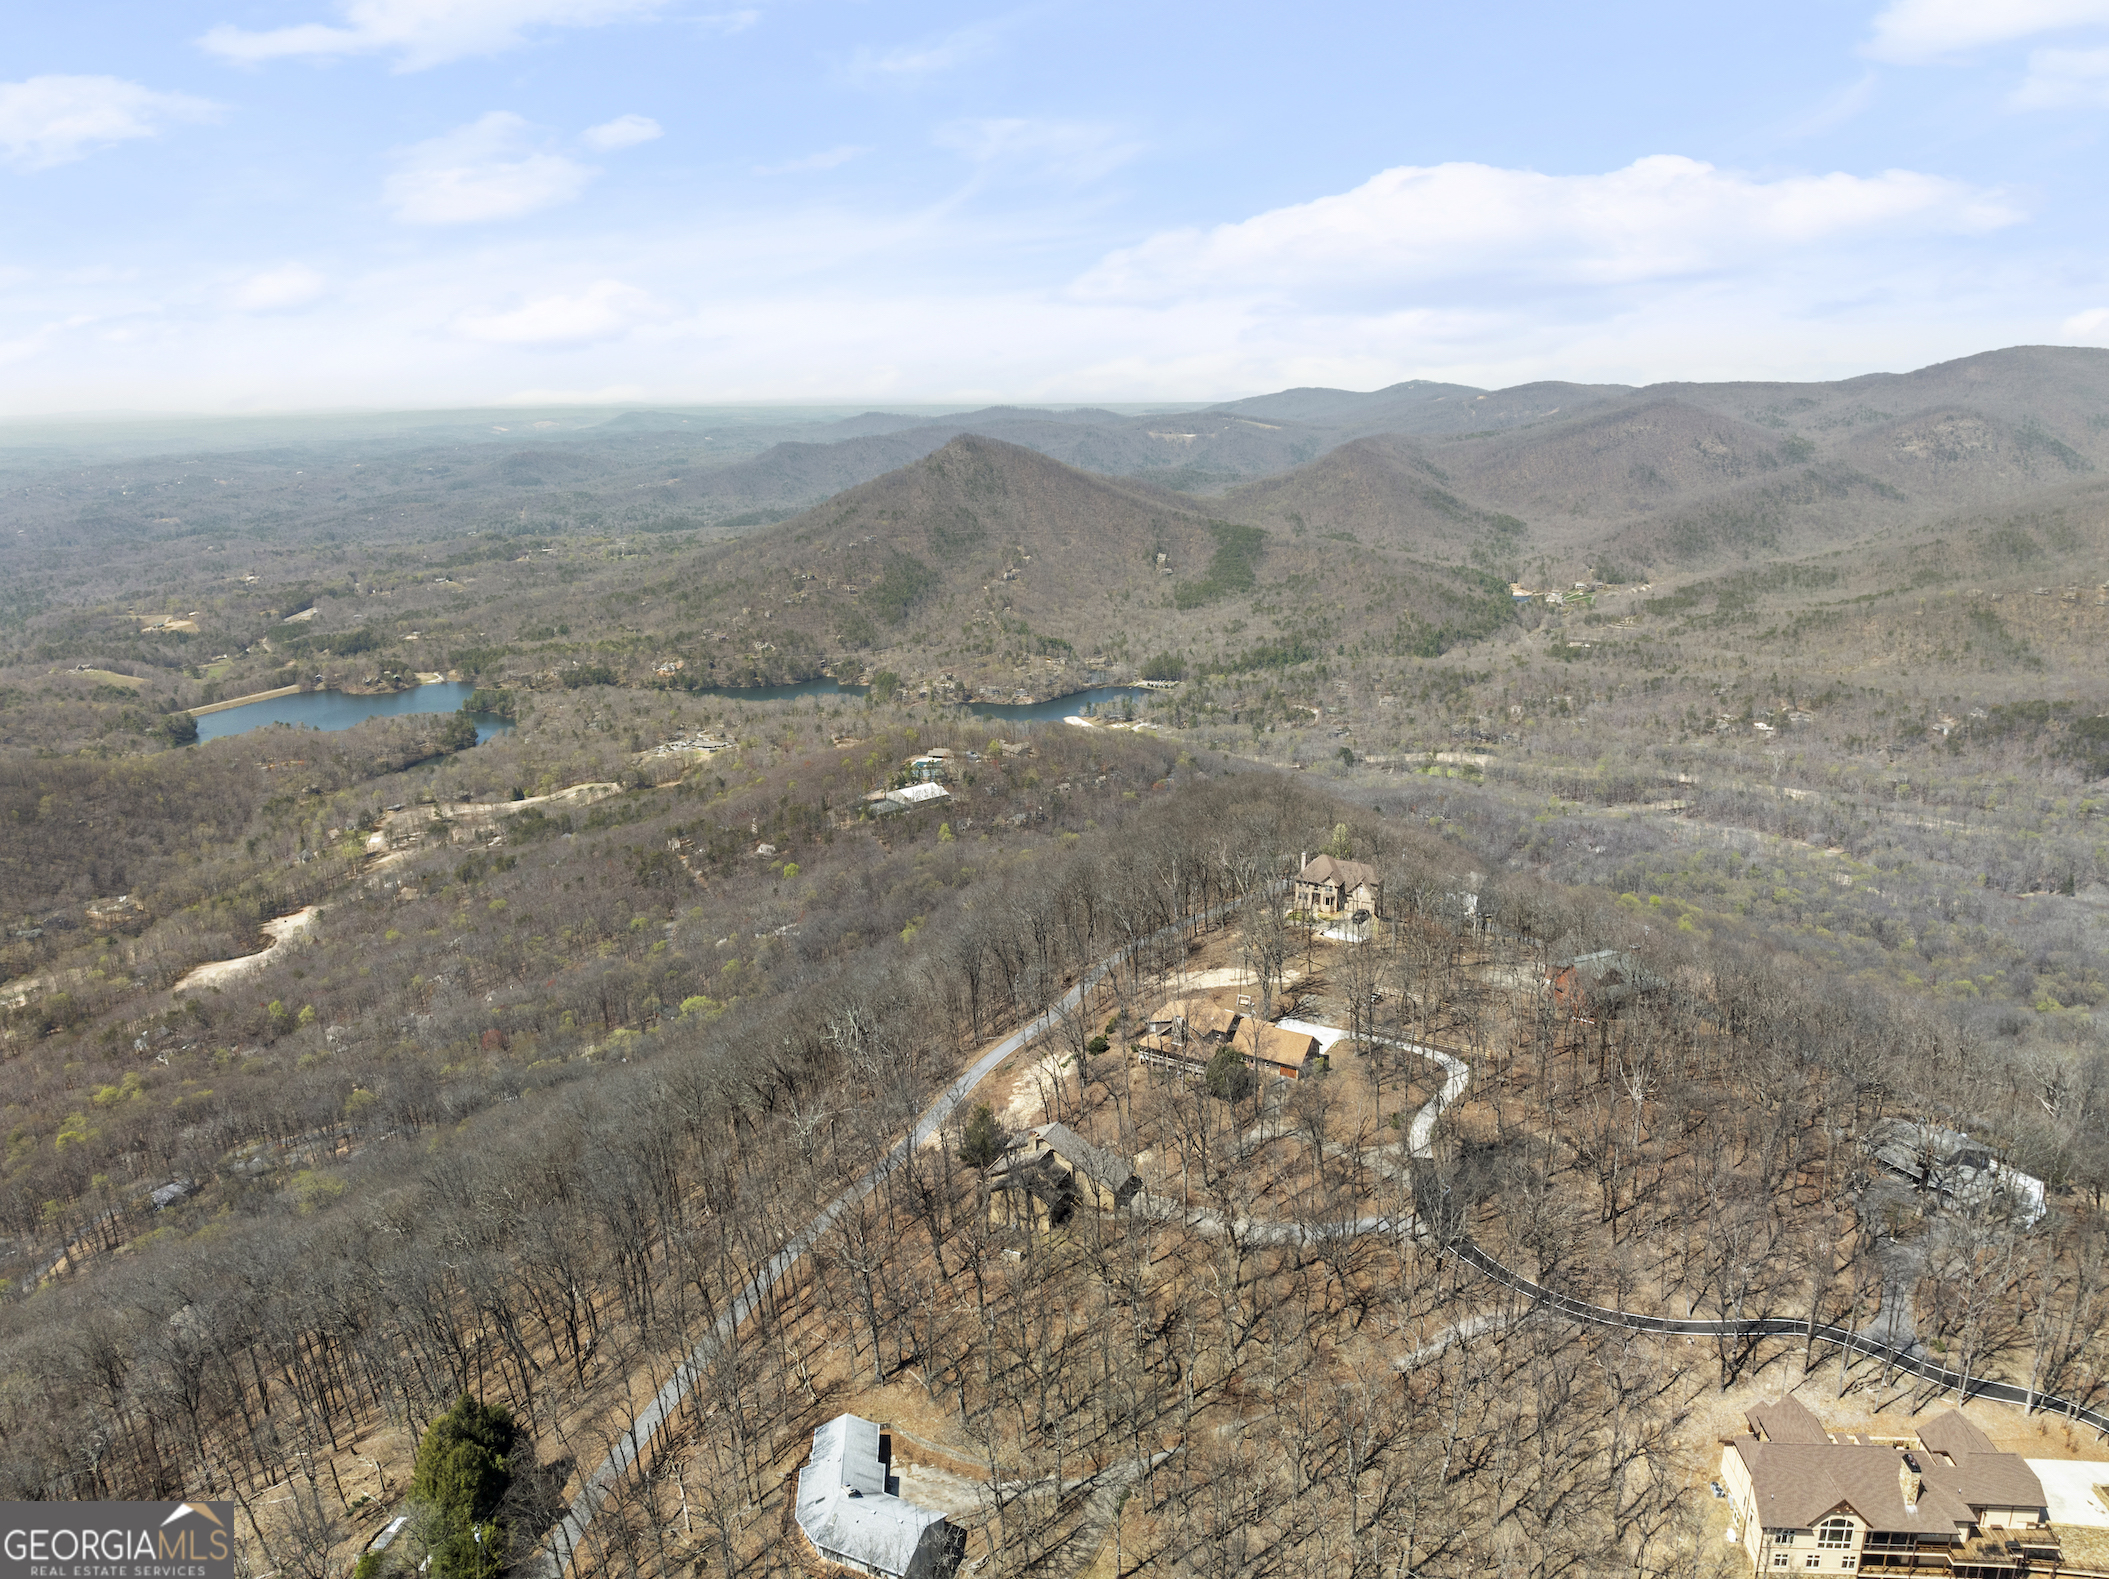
{"x":1945,"y":1500}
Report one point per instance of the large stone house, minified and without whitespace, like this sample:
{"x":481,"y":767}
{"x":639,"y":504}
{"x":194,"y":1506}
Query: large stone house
{"x":849,"y":1509}
{"x":1050,"y":1171}
{"x":1332,"y":887}
{"x":1945,"y":1501}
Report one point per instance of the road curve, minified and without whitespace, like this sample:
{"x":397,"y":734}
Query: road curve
{"x":561,"y":1547}
{"x":560,"y":1552}
{"x":1460,"y":1244}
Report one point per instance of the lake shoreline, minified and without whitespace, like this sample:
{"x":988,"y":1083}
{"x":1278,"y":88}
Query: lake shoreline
{"x":330,"y":708}
{"x":242,"y":701}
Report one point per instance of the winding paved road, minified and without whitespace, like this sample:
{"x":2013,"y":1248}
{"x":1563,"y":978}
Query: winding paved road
{"x":1460,"y":1244}
{"x":565,"y":1537}
{"x":561,"y":1547}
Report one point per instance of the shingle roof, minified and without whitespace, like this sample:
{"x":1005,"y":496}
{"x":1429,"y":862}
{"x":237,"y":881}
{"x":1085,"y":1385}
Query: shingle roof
{"x":1109,"y":1168}
{"x":1348,"y":874}
{"x":1788,"y":1420}
{"x":1797,"y":1483}
{"x":1999,"y":1480}
{"x":1203,"y":1016}
{"x":1954,"y":1434}
{"x":1256,"y":1038}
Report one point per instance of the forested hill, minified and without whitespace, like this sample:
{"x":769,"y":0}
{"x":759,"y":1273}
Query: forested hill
{"x":984,"y":553}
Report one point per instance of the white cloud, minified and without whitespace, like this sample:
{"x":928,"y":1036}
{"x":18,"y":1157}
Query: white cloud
{"x":488,"y":169}
{"x":2064,"y":76}
{"x":1914,"y":30}
{"x":827,"y":159}
{"x":1472,"y":228}
{"x":908,"y":62}
{"x":729,"y":22}
{"x":421,"y":33}
{"x":51,"y":120}
{"x":275,"y":290}
{"x":2092,"y":325}
{"x":604,"y":310}
{"x":1076,"y":151}
{"x":625,"y":131}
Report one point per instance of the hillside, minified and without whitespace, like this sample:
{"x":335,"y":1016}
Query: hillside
{"x":613,"y":1004}
{"x":1682,"y":477}
{"x":1419,"y":406}
{"x":1383,"y":490}
{"x":994,"y":569}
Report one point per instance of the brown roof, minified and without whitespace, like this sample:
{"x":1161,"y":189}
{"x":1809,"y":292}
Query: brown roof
{"x":1109,"y":1168}
{"x":1788,"y":1420}
{"x":1203,"y":1016}
{"x":1954,"y":1435}
{"x":1035,"y":1173}
{"x":1350,"y":875}
{"x":1272,"y":1044}
{"x":1999,"y":1480}
{"x":1797,"y":1483}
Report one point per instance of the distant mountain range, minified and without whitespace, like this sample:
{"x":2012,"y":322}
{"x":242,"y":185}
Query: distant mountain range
{"x":1662,"y":475}
{"x":1023,"y":548}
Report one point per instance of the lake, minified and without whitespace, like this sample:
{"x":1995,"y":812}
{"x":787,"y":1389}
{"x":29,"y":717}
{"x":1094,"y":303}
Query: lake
{"x":341,"y":710}
{"x":1018,"y":712}
{"x":1057,"y":707}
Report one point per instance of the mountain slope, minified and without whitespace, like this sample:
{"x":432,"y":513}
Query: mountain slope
{"x":999,"y":569}
{"x":1383,"y":490}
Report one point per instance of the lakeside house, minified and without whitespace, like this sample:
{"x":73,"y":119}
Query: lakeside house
{"x":1050,"y":1171}
{"x":1330,"y":887}
{"x":1945,"y":1500}
{"x":850,"y":1511}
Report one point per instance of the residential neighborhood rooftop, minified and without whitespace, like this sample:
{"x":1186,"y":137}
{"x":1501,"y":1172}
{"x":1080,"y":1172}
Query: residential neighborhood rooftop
{"x":846,"y":1509}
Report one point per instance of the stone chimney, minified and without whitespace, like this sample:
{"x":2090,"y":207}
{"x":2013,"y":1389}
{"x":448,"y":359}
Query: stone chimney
{"x":1910,"y":1482}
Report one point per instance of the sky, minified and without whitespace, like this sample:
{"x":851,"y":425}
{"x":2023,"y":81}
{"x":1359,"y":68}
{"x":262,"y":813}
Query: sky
{"x":261,"y":205}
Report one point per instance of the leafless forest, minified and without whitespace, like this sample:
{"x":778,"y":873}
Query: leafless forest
{"x":347,"y":1073}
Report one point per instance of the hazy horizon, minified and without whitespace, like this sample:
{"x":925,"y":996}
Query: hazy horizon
{"x":380,"y":205}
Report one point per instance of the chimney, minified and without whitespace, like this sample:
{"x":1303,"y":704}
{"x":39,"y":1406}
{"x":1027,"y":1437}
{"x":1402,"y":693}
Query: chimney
{"x":1910,"y":1482}
{"x":1303,"y":859}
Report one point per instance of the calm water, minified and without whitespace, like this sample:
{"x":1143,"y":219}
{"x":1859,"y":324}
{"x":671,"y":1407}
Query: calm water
{"x":337,"y":710}
{"x":1104,"y":698}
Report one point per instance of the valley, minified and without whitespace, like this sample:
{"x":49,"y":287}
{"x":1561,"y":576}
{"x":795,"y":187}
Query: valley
{"x":663,"y":1045}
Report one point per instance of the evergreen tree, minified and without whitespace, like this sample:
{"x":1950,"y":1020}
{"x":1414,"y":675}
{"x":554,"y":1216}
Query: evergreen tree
{"x":981,"y":1142}
{"x":462,"y":1472}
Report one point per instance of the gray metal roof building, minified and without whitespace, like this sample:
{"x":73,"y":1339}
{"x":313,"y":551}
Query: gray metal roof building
{"x":848,"y":1510}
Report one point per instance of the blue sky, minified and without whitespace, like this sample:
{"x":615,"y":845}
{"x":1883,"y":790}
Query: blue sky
{"x":295,"y":204}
